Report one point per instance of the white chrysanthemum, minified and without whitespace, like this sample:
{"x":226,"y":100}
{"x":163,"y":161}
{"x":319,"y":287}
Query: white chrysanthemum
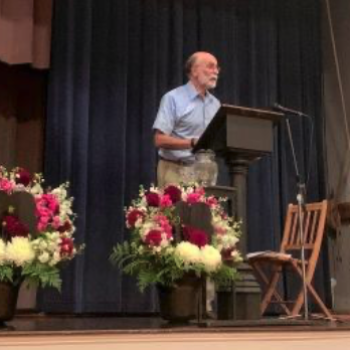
{"x":20,"y":251}
{"x":2,"y":252}
{"x":188,"y":252}
{"x":211,"y":258}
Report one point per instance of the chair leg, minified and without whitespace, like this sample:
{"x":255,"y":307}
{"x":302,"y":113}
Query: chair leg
{"x":300,"y":299}
{"x":270,"y":289}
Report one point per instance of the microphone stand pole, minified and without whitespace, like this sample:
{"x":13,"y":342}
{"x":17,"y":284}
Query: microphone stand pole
{"x":301,"y":206}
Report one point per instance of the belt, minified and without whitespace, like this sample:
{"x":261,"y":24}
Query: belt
{"x":177,"y":162}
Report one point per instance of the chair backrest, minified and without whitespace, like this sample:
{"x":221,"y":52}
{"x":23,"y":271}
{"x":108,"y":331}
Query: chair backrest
{"x":313,"y":222}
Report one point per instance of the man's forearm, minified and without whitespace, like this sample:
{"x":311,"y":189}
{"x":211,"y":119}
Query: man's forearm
{"x":170,"y":142}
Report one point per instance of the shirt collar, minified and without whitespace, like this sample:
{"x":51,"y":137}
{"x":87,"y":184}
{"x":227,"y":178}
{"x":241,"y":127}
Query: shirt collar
{"x":193,"y":93}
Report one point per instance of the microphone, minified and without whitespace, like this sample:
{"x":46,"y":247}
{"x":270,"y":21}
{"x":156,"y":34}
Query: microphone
{"x":289,"y":110}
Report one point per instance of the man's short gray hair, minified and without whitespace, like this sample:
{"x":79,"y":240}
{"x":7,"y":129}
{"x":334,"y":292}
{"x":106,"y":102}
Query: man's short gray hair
{"x":190,"y":63}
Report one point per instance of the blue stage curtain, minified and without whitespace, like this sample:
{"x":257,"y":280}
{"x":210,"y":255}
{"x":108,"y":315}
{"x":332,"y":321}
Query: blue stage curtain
{"x":111,"y":63}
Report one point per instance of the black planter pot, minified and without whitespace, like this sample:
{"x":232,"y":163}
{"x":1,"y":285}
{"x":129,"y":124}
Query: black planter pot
{"x":8,"y":301}
{"x":179,"y":304}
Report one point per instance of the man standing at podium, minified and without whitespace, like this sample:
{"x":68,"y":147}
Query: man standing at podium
{"x":183,"y":115}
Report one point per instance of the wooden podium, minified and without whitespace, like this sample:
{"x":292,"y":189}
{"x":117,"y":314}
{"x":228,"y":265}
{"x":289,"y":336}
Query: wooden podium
{"x":241,"y":135}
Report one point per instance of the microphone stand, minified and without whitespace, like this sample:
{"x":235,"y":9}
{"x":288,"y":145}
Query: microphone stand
{"x":301,"y":208}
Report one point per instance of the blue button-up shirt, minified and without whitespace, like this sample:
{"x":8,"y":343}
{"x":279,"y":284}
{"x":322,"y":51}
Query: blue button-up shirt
{"x":185,"y":114}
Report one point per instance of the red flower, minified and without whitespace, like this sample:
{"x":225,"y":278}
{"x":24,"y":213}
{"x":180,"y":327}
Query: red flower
{"x":14,"y":227}
{"x":195,"y":236}
{"x":23,"y":177}
{"x":153,"y":238}
{"x":152,"y":199}
{"x":226,"y":253}
{"x":133,"y":216}
{"x":174,"y":193}
{"x":67,"y":226}
{"x":67,"y":246}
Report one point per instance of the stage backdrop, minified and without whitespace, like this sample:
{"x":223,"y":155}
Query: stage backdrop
{"x":111,"y":63}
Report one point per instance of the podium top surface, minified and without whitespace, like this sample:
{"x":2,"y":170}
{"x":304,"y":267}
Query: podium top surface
{"x":248,"y":112}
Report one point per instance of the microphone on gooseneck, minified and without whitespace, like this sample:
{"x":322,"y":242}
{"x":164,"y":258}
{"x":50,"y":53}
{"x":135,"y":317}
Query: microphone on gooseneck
{"x":281,"y":108}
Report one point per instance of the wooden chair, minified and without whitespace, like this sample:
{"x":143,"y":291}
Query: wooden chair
{"x":269,"y":266}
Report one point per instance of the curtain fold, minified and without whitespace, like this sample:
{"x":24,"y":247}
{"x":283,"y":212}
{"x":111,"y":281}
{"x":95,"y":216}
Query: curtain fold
{"x":111,"y":63}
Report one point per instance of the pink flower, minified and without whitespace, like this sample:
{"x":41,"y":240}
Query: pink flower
{"x":193,"y":198}
{"x":153,"y":238}
{"x":152,"y":199}
{"x":6,"y":185}
{"x":165,"y":201}
{"x":195,"y":236}
{"x":56,"y":222}
{"x":174,"y":193}
{"x":164,"y":224}
{"x":220,"y":230}
{"x":212,"y":202}
{"x":23,"y":177}
{"x":132,"y":216}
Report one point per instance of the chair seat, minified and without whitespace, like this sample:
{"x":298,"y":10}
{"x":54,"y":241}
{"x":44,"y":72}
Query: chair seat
{"x":269,"y":255}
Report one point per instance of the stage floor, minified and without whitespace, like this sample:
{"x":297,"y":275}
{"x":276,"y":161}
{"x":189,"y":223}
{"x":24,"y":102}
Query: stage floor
{"x":42,"y":324}
{"x":33,"y":332}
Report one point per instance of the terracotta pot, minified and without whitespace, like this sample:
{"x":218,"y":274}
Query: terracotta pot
{"x":180,"y":303}
{"x":8,"y":301}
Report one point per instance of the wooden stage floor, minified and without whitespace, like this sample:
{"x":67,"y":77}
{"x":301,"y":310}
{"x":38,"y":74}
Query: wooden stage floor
{"x":96,"y":332}
{"x":47,"y":324}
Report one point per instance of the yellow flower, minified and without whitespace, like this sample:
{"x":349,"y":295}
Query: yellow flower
{"x":2,"y":252}
{"x":20,"y":251}
{"x":211,"y":258}
{"x":188,"y":252}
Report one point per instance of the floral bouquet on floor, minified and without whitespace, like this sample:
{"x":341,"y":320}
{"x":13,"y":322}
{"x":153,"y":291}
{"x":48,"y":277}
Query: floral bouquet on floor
{"x":155,"y":254}
{"x":34,"y":250}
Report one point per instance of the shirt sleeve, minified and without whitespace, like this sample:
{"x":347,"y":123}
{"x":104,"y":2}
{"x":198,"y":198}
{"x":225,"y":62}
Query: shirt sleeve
{"x":165,"y":120}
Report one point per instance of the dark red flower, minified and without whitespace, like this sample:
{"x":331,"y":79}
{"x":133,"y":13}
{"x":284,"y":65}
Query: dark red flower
{"x":67,"y":246}
{"x":67,"y":226}
{"x":132,"y":217}
{"x":195,"y":236}
{"x":174,"y":193}
{"x":226,"y":254}
{"x":23,"y":177}
{"x":14,"y":227}
{"x":152,"y":199}
{"x":154,"y":238}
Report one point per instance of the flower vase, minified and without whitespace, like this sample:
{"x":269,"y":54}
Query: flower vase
{"x":179,"y":304}
{"x":8,"y":301}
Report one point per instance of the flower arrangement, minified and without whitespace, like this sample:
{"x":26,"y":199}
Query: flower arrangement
{"x":36,"y":256}
{"x":155,"y":254}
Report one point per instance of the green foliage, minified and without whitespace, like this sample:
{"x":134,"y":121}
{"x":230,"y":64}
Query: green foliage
{"x":44,"y":275}
{"x":161,"y":269}
{"x":224,"y":276}
{"x":6,"y":273}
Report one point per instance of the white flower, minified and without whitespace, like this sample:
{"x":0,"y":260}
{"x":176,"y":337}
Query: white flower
{"x":236,"y":256}
{"x":20,"y":251}
{"x":2,"y":252}
{"x":60,"y":193}
{"x":36,"y":189}
{"x":44,"y":257}
{"x":211,"y":258}
{"x":188,"y":252}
